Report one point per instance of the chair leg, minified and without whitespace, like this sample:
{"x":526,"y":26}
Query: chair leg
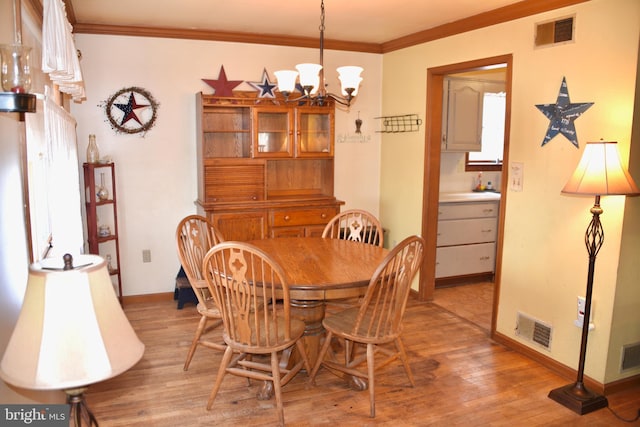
{"x":224,"y":363}
{"x":304,"y":355}
{"x":196,"y":339}
{"x":277,"y":389}
{"x":321,"y":354}
{"x":405,"y":360}
{"x":370,"y":379}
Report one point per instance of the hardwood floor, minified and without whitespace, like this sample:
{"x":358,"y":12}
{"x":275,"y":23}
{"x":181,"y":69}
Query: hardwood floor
{"x":462,"y":379}
{"x":472,"y":302}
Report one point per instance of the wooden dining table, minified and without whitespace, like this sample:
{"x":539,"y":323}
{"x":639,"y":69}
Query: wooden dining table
{"x":318,"y":270}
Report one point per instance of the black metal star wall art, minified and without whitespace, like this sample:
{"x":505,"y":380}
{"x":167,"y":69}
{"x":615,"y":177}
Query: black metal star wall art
{"x":264,"y":86}
{"x":562,"y":114}
{"x":222,"y":86}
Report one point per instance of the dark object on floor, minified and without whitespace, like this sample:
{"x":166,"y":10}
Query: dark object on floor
{"x":183,"y":292}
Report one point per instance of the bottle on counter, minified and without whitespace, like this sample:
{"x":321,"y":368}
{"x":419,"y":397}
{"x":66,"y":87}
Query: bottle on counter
{"x":479,"y":186}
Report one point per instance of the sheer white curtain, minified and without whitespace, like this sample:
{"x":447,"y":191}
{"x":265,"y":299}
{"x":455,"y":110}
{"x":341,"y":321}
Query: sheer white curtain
{"x":54,"y":182}
{"x":59,"y":54}
{"x":64,"y":179}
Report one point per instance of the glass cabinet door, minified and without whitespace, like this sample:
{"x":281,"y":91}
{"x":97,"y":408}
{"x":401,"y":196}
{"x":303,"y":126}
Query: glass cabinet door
{"x":273,"y":132}
{"x":315,"y":132}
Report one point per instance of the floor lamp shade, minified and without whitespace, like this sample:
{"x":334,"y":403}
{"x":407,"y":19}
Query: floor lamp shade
{"x":71,"y":331}
{"x":600,"y":172}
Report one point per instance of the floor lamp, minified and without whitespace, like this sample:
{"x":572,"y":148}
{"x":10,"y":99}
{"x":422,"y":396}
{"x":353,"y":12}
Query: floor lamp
{"x":71,"y":332}
{"x":599,"y":173}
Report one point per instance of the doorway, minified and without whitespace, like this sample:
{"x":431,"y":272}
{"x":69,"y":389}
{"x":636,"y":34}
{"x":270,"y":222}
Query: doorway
{"x":431,"y":178}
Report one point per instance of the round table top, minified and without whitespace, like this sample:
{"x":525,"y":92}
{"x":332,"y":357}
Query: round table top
{"x":320,"y":268}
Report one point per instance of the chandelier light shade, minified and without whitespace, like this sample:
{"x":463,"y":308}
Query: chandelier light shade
{"x":349,"y":76}
{"x":286,"y":80}
{"x":599,"y":173}
{"x":71,"y":331}
{"x":311,"y":77}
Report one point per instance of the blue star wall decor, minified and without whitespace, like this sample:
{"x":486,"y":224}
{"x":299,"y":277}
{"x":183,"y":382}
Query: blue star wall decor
{"x":562,"y":114}
{"x":222,"y":86}
{"x":265,"y":87}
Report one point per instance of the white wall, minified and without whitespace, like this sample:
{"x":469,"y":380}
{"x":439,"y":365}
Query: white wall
{"x":156,"y":174}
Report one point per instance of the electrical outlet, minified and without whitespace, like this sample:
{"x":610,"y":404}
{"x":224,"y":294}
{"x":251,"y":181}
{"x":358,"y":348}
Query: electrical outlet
{"x":146,"y":255}
{"x":580,"y":317}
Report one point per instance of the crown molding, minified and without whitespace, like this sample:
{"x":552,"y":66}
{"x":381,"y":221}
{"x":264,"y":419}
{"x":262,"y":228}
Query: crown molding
{"x":504,"y":14}
{"x":497,"y":16}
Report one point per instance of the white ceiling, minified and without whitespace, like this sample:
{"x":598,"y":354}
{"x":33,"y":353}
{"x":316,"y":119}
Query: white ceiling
{"x":367,"y":21}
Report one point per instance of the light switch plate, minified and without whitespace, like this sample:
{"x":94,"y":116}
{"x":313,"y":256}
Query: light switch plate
{"x":516,"y":176}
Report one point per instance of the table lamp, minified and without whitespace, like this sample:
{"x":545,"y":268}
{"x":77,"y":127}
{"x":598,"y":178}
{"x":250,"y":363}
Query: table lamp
{"x":599,"y":173}
{"x":71,"y":332}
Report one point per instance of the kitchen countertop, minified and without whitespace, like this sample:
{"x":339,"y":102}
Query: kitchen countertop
{"x":471,"y":196}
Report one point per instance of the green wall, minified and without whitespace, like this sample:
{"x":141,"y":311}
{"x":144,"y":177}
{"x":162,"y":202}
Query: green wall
{"x":544,"y":262}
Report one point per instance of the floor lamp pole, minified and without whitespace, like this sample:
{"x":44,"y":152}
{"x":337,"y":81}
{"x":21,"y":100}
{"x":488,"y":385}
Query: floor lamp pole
{"x":576,"y":396}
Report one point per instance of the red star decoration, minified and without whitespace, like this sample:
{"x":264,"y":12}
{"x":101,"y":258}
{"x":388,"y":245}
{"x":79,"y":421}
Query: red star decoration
{"x":222,"y":86}
{"x":129,"y":110}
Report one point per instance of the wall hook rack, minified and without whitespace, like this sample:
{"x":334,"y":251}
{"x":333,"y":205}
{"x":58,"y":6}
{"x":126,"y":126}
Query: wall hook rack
{"x":401,"y":123}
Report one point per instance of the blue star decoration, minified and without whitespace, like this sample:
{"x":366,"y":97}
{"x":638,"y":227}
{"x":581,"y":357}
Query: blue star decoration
{"x":222,"y":86}
{"x":265,"y":87}
{"x":129,"y":110}
{"x":562,"y":114}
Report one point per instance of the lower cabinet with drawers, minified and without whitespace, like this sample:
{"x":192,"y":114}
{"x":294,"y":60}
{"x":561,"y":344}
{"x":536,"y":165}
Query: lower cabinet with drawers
{"x":261,"y":220}
{"x":466,"y":241}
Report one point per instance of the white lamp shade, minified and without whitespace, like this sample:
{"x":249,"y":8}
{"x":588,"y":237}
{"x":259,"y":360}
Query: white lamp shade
{"x":71,"y":331}
{"x":286,"y":80}
{"x":309,"y":75}
{"x":350,"y":78}
{"x":600,"y":172}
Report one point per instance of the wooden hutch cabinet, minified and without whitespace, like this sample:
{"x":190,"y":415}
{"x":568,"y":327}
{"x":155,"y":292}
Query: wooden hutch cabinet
{"x":265,"y":167}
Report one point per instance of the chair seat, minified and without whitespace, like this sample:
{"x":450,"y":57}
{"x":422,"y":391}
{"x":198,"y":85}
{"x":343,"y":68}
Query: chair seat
{"x":296,"y":331}
{"x":209,"y":309}
{"x":342,"y":324}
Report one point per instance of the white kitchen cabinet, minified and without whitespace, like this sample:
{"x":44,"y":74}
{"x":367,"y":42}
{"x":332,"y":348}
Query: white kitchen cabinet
{"x":466,"y":241}
{"x":463,"y":108}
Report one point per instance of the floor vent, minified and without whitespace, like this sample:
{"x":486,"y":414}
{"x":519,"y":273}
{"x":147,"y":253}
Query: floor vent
{"x":554,"y":32}
{"x":533,"y":330}
{"x":630,"y":356}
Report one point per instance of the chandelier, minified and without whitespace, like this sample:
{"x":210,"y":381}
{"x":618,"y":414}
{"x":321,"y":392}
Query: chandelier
{"x":312,"y":78}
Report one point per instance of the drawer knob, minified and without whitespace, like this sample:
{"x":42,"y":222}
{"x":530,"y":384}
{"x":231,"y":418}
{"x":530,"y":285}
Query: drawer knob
{"x":323,"y":215}
{"x":254,"y":197}
{"x":287,"y":217}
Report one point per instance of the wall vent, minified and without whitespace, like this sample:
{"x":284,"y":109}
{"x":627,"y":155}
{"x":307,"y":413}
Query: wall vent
{"x":555,"y":32}
{"x":630,"y":356}
{"x":533,"y":330}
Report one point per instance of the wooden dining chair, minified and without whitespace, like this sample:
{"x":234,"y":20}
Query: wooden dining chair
{"x":377,"y":323}
{"x":357,"y":225}
{"x":195,"y":235}
{"x":253,"y":296}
